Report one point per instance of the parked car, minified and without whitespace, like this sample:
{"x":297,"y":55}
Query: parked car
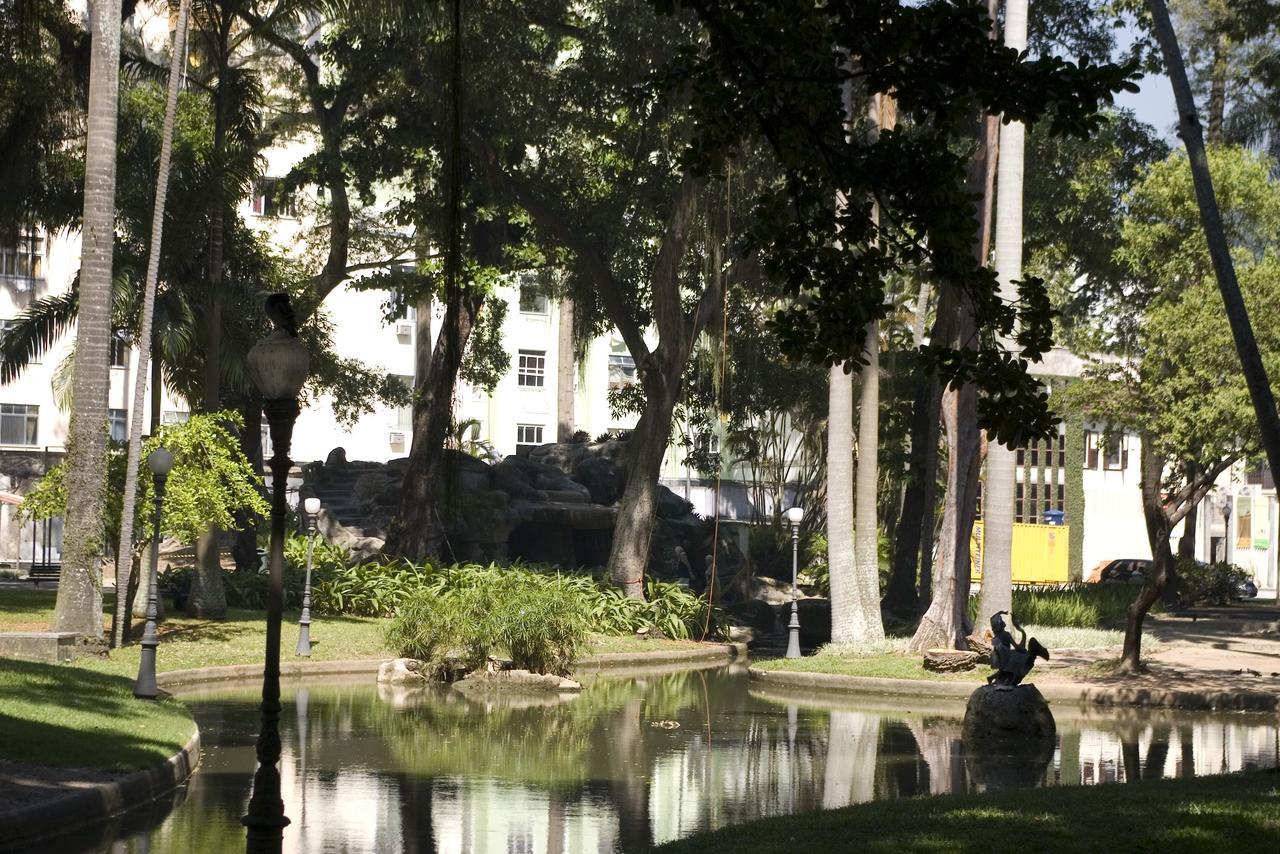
{"x":1120,"y":571}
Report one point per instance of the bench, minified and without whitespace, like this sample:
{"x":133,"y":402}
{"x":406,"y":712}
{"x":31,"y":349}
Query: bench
{"x":44,"y":572}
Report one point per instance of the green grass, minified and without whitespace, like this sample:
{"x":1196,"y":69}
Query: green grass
{"x":598,"y":644}
{"x":1206,"y":814}
{"x":887,"y":665}
{"x":77,"y":717}
{"x":1082,"y":606}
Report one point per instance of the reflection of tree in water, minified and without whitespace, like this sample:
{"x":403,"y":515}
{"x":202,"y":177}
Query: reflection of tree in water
{"x":850,"y":774}
{"x":938,"y":740}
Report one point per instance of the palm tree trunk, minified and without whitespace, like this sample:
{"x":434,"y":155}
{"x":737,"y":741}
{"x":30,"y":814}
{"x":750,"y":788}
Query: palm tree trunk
{"x":79,"y":603}
{"x":144,"y":334}
{"x":846,"y":622}
{"x":998,"y":492}
{"x":866,"y":537}
{"x":1255,"y":373}
{"x":565,"y":372}
{"x":208,"y":596}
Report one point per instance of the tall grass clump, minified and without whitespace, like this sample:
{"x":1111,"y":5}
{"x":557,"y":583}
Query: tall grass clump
{"x":1081,"y":606}
{"x":384,"y":590}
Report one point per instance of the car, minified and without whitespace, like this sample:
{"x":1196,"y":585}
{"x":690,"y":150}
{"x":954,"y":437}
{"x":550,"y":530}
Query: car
{"x":1246,"y":590}
{"x":1121,"y":571}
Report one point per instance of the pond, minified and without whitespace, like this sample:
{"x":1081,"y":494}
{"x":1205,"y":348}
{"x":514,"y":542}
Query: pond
{"x":630,"y":763}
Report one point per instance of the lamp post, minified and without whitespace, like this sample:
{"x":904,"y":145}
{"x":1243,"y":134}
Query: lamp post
{"x":310,"y":507}
{"x":795,"y":516}
{"x":160,"y":461}
{"x":278,"y":365}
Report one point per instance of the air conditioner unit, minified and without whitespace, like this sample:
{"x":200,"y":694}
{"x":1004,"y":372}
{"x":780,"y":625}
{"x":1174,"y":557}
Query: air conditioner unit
{"x":396,"y":437}
{"x":404,"y":328}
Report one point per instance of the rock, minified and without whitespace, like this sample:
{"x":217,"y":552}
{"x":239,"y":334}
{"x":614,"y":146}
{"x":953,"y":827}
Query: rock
{"x":670,"y":505}
{"x":744,"y":634}
{"x":650,"y":633}
{"x":601,"y":478}
{"x":404,"y":671}
{"x":762,"y":589}
{"x":516,"y":680}
{"x":752,"y":614}
{"x":815,"y":620}
{"x":1003,"y":719}
{"x":951,"y":660}
{"x":337,"y":459}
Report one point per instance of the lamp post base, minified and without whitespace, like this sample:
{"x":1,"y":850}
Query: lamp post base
{"x":145,"y":688}
{"x":304,"y":640}
{"x":793,"y":643}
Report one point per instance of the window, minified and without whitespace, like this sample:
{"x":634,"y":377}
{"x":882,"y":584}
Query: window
{"x":174,"y":416}
{"x":5,"y":327}
{"x":1116,"y":457}
{"x":707,"y":443}
{"x":19,"y":424}
{"x":531,"y":368}
{"x":622,"y":372}
{"x":119,"y":350}
{"x":270,"y":201}
{"x":25,"y":259}
{"x":408,"y":308}
{"x":528,"y":437}
{"x":119,"y":419}
{"x":532,"y":298}
{"x":402,"y":416}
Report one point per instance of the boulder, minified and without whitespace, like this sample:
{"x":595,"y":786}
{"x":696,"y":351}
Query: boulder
{"x":404,"y":671}
{"x":1004,"y":719}
{"x":670,"y":505}
{"x":602,"y":479}
{"x":336,"y":460}
{"x":752,"y":614}
{"x":516,"y":680}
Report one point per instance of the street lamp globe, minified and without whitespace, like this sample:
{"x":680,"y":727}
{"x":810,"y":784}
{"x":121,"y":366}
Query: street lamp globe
{"x":160,"y":462}
{"x":311,"y":506}
{"x":279,"y":365}
{"x":795,"y":515}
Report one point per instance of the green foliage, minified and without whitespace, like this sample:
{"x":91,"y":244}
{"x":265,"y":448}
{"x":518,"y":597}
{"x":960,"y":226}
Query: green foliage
{"x":1211,"y":583}
{"x":374,"y":589}
{"x":1082,"y":606}
{"x":210,"y":482}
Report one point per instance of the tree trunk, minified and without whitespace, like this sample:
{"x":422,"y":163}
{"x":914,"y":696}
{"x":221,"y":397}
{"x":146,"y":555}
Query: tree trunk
{"x":418,"y":532}
{"x":134,"y":455}
{"x":245,"y":549}
{"x":866,"y":544}
{"x":79,"y":602}
{"x":1255,"y":372}
{"x":633,"y":531}
{"x":1158,"y":526}
{"x":1218,"y":91}
{"x":847,"y":623}
{"x":208,"y":597}
{"x":1187,"y":542}
{"x":565,"y":372}
{"x":999,"y":490}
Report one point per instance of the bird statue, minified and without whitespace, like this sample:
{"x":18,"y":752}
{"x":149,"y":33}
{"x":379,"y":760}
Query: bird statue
{"x":280,"y":313}
{"x":1011,"y":659}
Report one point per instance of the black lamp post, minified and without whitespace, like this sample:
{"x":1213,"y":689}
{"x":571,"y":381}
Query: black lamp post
{"x":795,"y":516}
{"x":278,"y":365}
{"x":310,"y":507}
{"x":160,"y":461}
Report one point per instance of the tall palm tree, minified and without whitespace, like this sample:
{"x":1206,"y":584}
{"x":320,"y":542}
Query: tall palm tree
{"x":124,"y":563}
{"x":998,"y":494}
{"x":847,"y":624}
{"x":79,"y":603}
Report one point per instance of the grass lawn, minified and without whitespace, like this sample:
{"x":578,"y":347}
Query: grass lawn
{"x":890,"y":660}
{"x":54,"y":714}
{"x":187,"y":643}
{"x":1240,"y":812}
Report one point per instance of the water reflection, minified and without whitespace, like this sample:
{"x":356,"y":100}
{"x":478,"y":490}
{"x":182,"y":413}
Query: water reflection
{"x":628,"y":764}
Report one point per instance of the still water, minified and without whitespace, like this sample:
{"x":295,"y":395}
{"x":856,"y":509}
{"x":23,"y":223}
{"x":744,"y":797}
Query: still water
{"x":627,"y":764}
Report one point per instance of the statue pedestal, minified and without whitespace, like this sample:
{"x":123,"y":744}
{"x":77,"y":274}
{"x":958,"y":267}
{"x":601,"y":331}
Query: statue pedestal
{"x":1008,"y":735}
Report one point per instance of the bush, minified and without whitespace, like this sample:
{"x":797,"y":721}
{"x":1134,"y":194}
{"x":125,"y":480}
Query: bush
{"x":1214,"y":583}
{"x":382,"y":589}
{"x":1082,"y":606}
{"x":536,"y":624}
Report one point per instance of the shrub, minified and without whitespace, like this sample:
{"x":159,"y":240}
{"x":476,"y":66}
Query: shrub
{"x":1214,"y":583}
{"x":539,"y":627}
{"x":1082,"y":606}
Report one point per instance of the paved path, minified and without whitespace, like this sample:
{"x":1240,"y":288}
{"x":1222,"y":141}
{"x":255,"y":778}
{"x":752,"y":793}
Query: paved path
{"x":1223,"y":649}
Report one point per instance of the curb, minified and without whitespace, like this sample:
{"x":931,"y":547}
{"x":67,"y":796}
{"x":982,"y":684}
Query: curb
{"x":175,"y":680}
{"x":1191,"y":700}
{"x":85,"y":807}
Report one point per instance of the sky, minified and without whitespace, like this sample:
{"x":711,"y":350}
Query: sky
{"x":1154,"y":105}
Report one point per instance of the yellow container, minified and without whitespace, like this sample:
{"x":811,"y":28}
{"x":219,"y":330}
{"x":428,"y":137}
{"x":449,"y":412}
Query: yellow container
{"x":1039,"y":553}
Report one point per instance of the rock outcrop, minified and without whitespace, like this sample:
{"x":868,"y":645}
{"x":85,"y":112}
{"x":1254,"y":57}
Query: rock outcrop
{"x":556,"y":506}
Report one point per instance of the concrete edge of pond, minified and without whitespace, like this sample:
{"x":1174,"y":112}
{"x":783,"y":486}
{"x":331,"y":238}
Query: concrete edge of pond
{"x":84,"y":807}
{"x":175,"y":680}
{"x":1201,"y":699}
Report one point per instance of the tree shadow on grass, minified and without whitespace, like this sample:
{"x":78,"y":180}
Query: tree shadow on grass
{"x":73,"y":717}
